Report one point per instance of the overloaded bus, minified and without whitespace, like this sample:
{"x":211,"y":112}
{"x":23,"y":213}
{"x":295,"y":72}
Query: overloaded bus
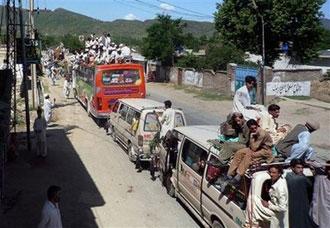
{"x":98,"y":87}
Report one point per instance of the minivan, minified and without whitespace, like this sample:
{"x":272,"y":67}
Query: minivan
{"x":195,"y":178}
{"x":134,"y":123}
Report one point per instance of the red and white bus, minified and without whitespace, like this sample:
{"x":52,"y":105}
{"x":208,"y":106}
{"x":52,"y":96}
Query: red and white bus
{"x":98,"y":87}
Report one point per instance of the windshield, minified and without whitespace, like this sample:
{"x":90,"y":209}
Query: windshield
{"x":120,"y":77}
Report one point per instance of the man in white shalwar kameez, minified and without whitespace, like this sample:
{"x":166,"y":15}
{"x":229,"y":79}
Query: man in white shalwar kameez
{"x":242,"y":101}
{"x":48,"y":105}
{"x":39,"y":128}
{"x":275,"y":210}
{"x":167,"y":118}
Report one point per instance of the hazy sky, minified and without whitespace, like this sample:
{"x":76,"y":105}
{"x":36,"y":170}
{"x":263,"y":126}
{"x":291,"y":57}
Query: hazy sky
{"x":108,"y":10}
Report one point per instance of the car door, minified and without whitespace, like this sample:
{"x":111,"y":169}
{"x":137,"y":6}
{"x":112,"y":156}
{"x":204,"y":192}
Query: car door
{"x":123,"y":109}
{"x":191,"y":169}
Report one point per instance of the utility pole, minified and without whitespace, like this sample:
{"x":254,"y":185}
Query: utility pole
{"x":262,"y":72}
{"x":33,"y":66}
{"x":27,"y":108}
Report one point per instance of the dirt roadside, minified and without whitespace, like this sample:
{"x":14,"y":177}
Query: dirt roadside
{"x":100,"y":186}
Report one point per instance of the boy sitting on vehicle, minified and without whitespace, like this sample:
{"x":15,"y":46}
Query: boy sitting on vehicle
{"x":260,"y":144}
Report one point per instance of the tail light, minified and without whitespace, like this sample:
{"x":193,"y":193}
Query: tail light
{"x":99,"y":103}
{"x":140,"y":140}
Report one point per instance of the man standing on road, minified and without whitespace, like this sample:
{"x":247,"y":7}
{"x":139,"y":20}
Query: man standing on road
{"x":299,"y":188}
{"x":51,"y":215}
{"x":167,"y":118}
{"x":48,"y":105}
{"x":40,"y":127}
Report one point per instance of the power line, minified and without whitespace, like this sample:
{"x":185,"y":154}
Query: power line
{"x":173,"y":11}
{"x":188,"y":10}
{"x":133,"y":6}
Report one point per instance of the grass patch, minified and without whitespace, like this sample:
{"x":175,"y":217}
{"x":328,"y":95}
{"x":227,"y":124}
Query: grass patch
{"x":300,"y":98}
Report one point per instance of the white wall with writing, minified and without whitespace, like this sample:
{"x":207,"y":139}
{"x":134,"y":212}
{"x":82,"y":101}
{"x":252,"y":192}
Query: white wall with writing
{"x":279,"y":89}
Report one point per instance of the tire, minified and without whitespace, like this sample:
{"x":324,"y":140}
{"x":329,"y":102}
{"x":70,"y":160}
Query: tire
{"x":131,"y":152}
{"x":217,"y":224}
{"x":169,"y":186}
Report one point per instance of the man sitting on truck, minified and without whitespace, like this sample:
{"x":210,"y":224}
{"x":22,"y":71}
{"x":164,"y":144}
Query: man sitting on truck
{"x":271,"y":126}
{"x":260,"y":144}
{"x":297,"y":143}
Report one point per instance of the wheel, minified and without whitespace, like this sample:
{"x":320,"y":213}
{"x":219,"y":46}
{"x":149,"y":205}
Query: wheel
{"x":131,"y":152}
{"x":169,"y":186}
{"x":217,"y":224}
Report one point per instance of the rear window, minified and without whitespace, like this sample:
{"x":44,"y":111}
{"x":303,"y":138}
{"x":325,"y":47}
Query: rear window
{"x":151,"y":123}
{"x":120,"y":77}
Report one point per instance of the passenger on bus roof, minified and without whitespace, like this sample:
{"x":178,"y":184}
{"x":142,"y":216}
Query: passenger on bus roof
{"x":258,"y":150}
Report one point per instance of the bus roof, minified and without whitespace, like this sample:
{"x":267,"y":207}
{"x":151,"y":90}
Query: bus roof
{"x":119,"y":66}
{"x":200,"y":133}
{"x":142,"y":103}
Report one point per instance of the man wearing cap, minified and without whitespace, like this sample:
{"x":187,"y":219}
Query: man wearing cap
{"x":297,"y":143}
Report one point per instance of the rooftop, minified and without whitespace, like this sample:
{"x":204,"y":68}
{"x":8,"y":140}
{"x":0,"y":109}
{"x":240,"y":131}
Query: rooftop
{"x":142,"y":103}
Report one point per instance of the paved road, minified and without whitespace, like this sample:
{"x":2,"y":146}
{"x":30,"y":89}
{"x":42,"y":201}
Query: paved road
{"x":131,"y":199}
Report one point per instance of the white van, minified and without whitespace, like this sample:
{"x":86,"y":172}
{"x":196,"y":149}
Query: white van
{"x":134,"y":123}
{"x":198,"y":187}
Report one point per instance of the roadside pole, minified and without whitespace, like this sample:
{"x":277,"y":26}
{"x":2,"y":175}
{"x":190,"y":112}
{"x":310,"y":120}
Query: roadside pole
{"x":35,"y":100}
{"x":27,"y":108}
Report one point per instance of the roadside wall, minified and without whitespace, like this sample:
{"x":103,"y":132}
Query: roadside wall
{"x":205,"y":79}
{"x":223,"y":82}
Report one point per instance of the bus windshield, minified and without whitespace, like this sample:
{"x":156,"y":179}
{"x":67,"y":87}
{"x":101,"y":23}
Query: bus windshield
{"x":120,"y":77}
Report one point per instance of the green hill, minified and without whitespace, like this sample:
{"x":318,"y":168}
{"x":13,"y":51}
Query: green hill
{"x":61,"y":21}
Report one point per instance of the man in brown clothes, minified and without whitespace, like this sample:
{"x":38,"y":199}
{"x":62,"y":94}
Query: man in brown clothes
{"x":259,"y":149}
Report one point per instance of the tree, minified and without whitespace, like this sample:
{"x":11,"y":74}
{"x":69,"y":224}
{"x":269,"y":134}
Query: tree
{"x":294,"y":21}
{"x":164,"y":37}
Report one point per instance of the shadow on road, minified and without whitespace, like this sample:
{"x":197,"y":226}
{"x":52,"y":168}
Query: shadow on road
{"x":31,"y":176}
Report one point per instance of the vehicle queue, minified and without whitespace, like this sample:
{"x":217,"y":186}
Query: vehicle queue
{"x":190,"y":159}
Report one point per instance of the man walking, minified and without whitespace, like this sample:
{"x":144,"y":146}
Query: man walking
{"x":50,"y":215}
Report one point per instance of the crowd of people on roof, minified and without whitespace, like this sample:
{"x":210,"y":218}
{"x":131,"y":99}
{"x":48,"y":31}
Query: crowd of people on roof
{"x":102,"y":50}
{"x":250,"y":136}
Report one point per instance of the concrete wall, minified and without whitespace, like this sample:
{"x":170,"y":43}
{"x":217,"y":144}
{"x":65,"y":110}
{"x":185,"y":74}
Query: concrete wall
{"x":321,"y":90}
{"x":205,"y":79}
{"x":298,"y":75}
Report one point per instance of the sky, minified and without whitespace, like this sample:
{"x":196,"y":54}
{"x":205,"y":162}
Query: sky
{"x":109,"y":10}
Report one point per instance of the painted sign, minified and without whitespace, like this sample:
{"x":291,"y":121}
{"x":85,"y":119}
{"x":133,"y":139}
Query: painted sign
{"x":288,"y":88}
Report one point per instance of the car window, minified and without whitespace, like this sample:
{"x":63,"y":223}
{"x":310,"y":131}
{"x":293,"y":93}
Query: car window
{"x":179,"y":122}
{"x":120,"y":76}
{"x":151,"y":122}
{"x":130,"y":115}
{"x":123,"y":111}
{"x":194,"y":156}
